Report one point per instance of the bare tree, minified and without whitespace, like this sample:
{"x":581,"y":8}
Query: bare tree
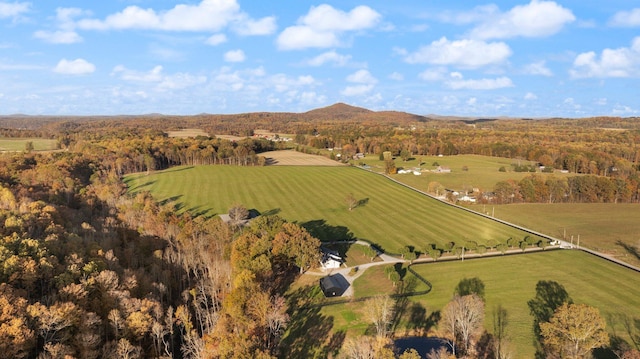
{"x":441,"y":353}
{"x":462,"y":320}
{"x":360,"y":348}
{"x":237,"y":214}
{"x":379,"y":310}
{"x":351,"y":201}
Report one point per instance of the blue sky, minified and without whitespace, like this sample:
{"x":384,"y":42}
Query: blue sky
{"x":503,"y":58}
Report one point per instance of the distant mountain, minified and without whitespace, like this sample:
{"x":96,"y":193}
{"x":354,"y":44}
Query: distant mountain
{"x":337,"y":111}
{"x":342,"y":111}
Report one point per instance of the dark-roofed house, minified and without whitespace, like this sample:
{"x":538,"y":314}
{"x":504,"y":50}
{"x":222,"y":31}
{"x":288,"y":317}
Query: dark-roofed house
{"x":330,"y":286}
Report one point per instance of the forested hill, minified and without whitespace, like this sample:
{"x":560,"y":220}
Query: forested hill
{"x":286,"y":122}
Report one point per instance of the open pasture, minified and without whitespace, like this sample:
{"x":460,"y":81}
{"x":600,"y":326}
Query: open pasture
{"x":386,"y":213}
{"x":295,"y":158}
{"x":467,"y":171}
{"x":187,"y":132}
{"x":610,"y":228}
{"x":19,"y":144}
{"x":510,"y":281}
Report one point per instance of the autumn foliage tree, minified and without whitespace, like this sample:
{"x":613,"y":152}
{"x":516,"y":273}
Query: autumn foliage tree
{"x":573,"y":332}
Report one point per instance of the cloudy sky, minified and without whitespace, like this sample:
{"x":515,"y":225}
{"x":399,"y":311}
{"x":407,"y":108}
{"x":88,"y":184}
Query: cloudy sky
{"x":532,"y":58}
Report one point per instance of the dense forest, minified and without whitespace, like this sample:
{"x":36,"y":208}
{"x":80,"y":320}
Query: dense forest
{"x":88,"y":271}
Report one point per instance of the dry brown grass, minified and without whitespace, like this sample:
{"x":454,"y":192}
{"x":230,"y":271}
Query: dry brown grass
{"x":295,"y":158}
{"x":187,"y":132}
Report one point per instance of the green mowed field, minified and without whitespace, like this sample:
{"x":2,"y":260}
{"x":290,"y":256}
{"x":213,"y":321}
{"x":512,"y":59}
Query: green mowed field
{"x":389,"y":215}
{"x":19,"y":144}
{"x":481,"y":172}
{"x":509,"y":281}
{"x":611,"y":228}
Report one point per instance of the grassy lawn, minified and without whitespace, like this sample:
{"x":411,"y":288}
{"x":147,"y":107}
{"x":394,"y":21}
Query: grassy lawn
{"x":19,"y":144}
{"x":509,"y":281}
{"x":481,"y":171}
{"x":606,"y":227}
{"x":389,"y":215}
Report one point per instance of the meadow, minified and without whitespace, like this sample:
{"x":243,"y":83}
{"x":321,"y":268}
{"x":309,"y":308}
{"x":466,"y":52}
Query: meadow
{"x":610,"y":228}
{"x":467,"y":171}
{"x":19,"y":144}
{"x":387,"y":214}
{"x":510,"y":281}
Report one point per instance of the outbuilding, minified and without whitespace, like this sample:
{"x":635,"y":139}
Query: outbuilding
{"x":330,"y":286}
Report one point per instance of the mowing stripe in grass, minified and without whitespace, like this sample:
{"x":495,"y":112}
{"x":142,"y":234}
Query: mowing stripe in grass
{"x":393,"y":217}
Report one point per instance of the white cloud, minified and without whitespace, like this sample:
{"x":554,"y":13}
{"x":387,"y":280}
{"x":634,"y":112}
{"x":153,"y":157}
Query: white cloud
{"x":629,"y":18}
{"x":180,"y":81}
{"x":538,"y":68}
{"x":300,"y":37}
{"x":458,"y":83}
{"x":331,"y":56}
{"x":65,"y":34}
{"x":326,"y":18}
{"x":311,"y":98}
{"x":478,"y":14}
{"x":234,"y":56}
{"x":433,"y":74}
{"x":208,"y":15}
{"x":396,"y":76}
{"x":264,"y":26}
{"x":364,"y":83}
{"x":530,"y":96}
{"x":58,"y":37}
{"x":216,"y":39}
{"x":356,"y":90}
{"x":621,"y":62}
{"x":154,"y":75}
{"x":623,"y":110}
{"x":463,"y":53}
{"x":74,"y":67}
{"x":161,"y":81}
{"x":13,"y":9}
{"x":321,"y":26}
{"x":282,"y":82}
{"x":253,"y":82}
{"x":536,"y":19}
{"x":472,"y":101}
{"x":362,"y":77}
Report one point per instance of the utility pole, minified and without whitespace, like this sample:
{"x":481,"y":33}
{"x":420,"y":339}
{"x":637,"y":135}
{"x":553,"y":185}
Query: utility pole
{"x":578,"y":241}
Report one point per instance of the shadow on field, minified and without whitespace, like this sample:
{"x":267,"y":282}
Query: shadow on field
{"x":309,"y":333}
{"x":326,"y":232}
{"x":550,"y":295}
{"x":271,"y":212}
{"x":141,"y":186}
{"x":629,"y":248}
{"x":618,"y":345}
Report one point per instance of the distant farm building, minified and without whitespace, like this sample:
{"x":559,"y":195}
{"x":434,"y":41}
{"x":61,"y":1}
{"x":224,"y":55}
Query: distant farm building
{"x":442,"y":169}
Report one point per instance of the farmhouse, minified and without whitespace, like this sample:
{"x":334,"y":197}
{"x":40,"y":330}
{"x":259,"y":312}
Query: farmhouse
{"x":330,"y":260}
